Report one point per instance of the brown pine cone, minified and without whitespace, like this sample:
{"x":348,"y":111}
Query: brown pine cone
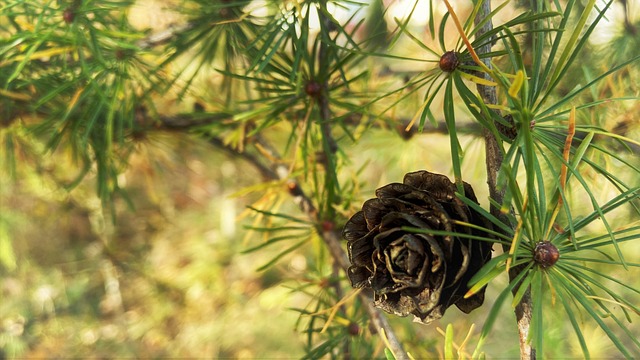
{"x":415,"y":273}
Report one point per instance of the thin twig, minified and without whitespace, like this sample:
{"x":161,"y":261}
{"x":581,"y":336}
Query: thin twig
{"x":494,"y":159}
{"x":466,"y":126}
{"x":330,"y":148}
{"x":332,"y":238}
{"x":163,"y":36}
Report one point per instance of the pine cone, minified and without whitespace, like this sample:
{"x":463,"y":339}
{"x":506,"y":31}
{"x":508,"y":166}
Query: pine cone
{"x":414,"y":273}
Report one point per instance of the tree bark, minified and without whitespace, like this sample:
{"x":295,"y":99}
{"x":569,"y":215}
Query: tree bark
{"x":494,"y":159}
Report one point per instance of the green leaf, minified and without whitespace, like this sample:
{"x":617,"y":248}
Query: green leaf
{"x":442,"y":33}
{"x":270,"y":242}
{"x":580,"y":272}
{"x":592,"y":242}
{"x":495,"y":310}
{"x":537,"y":298}
{"x":567,"y":98}
{"x":282,"y":254}
{"x":573,"y":46}
{"x":495,"y":221}
{"x":456,"y":148}
{"x":448,"y":342}
{"x":577,"y":294}
{"x":522,"y":289}
{"x":388,"y":354}
{"x":280,"y":215}
{"x":489,"y":271}
{"x":268,"y":229}
{"x":574,"y":323}
{"x":461,"y":235}
{"x":323,"y":349}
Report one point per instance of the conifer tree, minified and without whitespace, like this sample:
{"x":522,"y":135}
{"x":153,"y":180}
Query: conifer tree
{"x":526,"y":192}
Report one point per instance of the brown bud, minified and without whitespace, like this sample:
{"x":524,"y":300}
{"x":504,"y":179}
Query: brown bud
{"x":294,"y":188}
{"x":546,"y":254}
{"x":404,"y":133}
{"x":122,"y":54}
{"x":312,"y":88}
{"x":68,"y":15}
{"x":328,"y":226}
{"x":449,"y":61}
{"x":353,"y":329}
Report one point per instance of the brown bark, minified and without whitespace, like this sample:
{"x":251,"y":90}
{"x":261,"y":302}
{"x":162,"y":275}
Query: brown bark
{"x":494,"y":159}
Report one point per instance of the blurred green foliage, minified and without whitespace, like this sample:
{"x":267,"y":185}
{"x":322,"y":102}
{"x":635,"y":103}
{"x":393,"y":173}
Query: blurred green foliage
{"x":170,"y":282}
{"x":167,"y":281}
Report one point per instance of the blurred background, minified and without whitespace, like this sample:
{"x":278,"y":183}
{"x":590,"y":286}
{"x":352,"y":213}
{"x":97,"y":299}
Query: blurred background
{"x":169,"y":276}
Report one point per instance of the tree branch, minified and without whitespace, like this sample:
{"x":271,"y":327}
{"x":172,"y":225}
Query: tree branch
{"x":494,"y":158}
{"x":330,"y":236}
{"x":332,"y":240}
{"x":163,"y":36}
{"x":277,"y":171}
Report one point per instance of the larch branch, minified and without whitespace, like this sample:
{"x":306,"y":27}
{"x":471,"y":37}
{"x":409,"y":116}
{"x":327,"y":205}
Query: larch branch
{"x":494,"y":158}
